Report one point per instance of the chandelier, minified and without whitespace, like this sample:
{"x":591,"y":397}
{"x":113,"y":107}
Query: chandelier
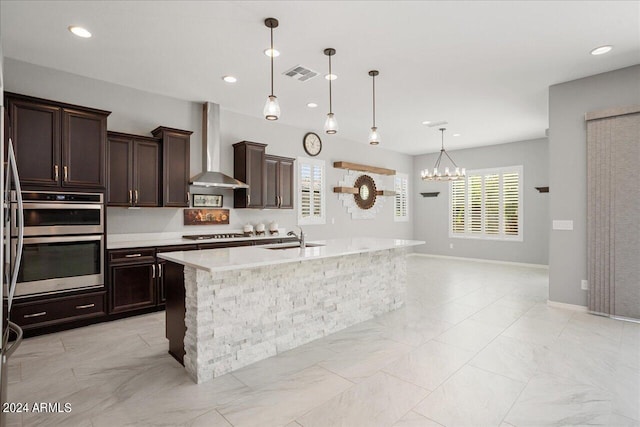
{"x":447,"y":175}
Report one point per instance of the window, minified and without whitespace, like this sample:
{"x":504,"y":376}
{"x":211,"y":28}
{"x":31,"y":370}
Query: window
{"x":401,"y":200}
{"x":487,"y":204}
{"x":311,"y":191}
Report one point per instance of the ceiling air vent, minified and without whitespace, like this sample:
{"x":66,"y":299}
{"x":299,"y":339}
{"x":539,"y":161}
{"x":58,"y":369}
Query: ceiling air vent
{"x":301,"y":73}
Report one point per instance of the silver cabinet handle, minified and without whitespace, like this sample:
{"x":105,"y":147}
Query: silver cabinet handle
{"x":188,"y":198}
{"x":42,"y":313}
{"x":160,"y":270}
{"x":153,"y":268}
{"x":130,"y":197}
{"x":133,"y":255}
{"x":136,"y":200}
{"x":65,"y":171}
{"x":79,"y":307}
{"x":248,"y":199}
{"x":55,"y":172}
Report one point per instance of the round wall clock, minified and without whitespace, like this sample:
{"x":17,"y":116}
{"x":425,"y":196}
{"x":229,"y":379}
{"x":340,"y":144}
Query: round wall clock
{"x":312,"y":144}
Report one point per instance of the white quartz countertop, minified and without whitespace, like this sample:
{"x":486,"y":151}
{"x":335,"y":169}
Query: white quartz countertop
{"x":144,"y":240}
{"x":225,"y":259}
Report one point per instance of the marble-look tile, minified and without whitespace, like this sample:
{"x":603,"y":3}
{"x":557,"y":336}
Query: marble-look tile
{"x":413,"y":419}
{"x":430,"y":365}
{"x":536,"y":331}
{"x":13,"y":419}
{"x":470,"y":335}
{"x":497,"y":315}
{"x":377,"y":401}
{"x":209,"y":419}
{"x":512,"y":358}
{"x":552,"y":401}
{"x":364,"y":359}
{"x":278,"y":367}
{"x":286,"y":400}
{"x":516,"y":302}
{"x":293,"y":424}
{"x":471,"y":397}
{"x":545,"y":312}
{"x":452,"y":312}
{"x":14,"y":371}
{"x":38,"y":347}
{"x":411,"y":329}
{"x":480,"y":298}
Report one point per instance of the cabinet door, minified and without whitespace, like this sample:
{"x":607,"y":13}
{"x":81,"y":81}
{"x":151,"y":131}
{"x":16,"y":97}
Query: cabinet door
{"x":83,"y":149}
{"x":35,"y":132}
{"x":271,"y":185}
{"x":146,"y":173}
{"x":248,"y":166}
{"x":285,"y":183}
{"x":132,"y":287}
{"x":175,"y":170}
{"x":119,"y":171}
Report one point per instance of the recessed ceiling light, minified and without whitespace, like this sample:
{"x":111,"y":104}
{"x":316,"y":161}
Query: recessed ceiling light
{"x":275,"y":52}
{"x":80,"y":32}
{"x":601,"y":50}
{"x":330,"y":76}
{"x":312,"y":105}
{"x":230,"y":79}
{"x":426,"y":122}
{"x":456,"y":134}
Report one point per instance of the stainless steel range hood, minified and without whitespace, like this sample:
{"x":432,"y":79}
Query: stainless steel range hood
{"x":210,"y":176}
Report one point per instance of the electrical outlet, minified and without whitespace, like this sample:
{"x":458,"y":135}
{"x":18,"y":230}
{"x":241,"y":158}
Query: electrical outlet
{"x":450,"y":245}
{"x":584,"y":285}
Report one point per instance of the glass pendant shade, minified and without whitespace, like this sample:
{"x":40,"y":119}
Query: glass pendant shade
{"x":271,"y":108}
{"x":374,"y":136}
{"x":331,"y":124}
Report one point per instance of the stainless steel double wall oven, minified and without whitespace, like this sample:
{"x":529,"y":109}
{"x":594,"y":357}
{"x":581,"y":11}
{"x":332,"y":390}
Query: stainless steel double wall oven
{"x":63,"y":242}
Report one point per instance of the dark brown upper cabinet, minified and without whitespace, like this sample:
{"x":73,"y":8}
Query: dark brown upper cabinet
{"x":278,"y":182}
{"x":56,"y":144}
{"x":175,"y":165}
{"x":133,"y":170}
{"x":249,"y":167}
{"x":270,"y":178}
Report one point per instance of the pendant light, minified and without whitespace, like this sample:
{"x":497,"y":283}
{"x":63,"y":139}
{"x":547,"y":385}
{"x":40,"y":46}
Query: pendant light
{"x":374,"y":137}
{"x":438,"y":175}
{"x":271,"y":108}
{"x":331,"y":124}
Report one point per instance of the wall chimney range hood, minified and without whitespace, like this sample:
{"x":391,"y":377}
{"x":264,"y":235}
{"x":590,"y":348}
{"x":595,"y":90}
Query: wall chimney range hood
{"x":210,"y":177}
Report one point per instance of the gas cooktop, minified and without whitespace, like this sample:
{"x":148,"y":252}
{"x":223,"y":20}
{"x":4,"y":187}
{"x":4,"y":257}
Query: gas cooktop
{"x":213,"y":236}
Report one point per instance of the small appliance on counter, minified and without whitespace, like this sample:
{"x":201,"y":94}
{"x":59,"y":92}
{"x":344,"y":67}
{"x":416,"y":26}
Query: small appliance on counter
{"x":247,"y":230}
{"x":273,"y":229}
{"x":260,"y":229}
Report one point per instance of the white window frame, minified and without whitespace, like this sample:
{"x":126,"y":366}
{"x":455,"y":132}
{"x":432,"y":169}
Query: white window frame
{"x":401,"y":177}
{"x":484,"y":172}
{"x":310,"y":220}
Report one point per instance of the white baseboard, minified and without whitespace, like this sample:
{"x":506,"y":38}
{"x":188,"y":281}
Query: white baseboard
{"x":574,"y":307}
{"x":490,"y":261}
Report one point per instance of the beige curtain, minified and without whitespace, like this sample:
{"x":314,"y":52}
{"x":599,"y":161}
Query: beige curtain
{"x":613,"y":218}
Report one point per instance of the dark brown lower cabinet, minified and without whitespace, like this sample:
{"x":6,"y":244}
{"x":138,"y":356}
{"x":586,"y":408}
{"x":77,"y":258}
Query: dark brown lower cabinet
{"x":133,"y":286}
{"x":58,"y":310}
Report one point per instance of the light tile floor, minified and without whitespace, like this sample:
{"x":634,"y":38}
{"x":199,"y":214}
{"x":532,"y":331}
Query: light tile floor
{"x":475,"y":345}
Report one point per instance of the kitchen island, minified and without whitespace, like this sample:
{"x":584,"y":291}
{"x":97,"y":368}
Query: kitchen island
{"x":228,"y":308}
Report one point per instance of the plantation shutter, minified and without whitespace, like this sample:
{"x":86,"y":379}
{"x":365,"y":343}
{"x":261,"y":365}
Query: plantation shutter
{"x":475,"y":204}
{"x":311,"y":183}
{"x":511,"y":203}
{"x":492,"y":204}
{"x":401,"y":202}
{"x":458,"y":206}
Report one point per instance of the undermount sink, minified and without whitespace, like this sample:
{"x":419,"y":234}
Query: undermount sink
{"x":294,"y":246}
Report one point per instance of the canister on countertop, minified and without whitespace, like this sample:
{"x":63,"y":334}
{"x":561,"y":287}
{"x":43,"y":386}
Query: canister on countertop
{"x":247,"y":230}
{"x":273,"y":228}
{"x":260,"y":229}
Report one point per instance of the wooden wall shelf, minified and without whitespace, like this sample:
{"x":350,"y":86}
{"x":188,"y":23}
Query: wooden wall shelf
{"x":542,"y":189}
{"x":432,"y":194}
{"x":363,"y":168}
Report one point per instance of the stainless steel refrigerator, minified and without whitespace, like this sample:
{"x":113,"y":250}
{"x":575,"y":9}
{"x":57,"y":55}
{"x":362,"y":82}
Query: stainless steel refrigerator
{"x":8,"y":270}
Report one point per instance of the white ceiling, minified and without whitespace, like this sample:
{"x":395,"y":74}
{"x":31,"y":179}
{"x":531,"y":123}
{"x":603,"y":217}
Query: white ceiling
{"x":483,"y":66}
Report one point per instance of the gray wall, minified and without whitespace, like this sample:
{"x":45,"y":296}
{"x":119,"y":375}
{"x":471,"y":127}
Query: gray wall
{"x":432,"y":214}
{"x":568,"y":103}
{"x":139,"y":112}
